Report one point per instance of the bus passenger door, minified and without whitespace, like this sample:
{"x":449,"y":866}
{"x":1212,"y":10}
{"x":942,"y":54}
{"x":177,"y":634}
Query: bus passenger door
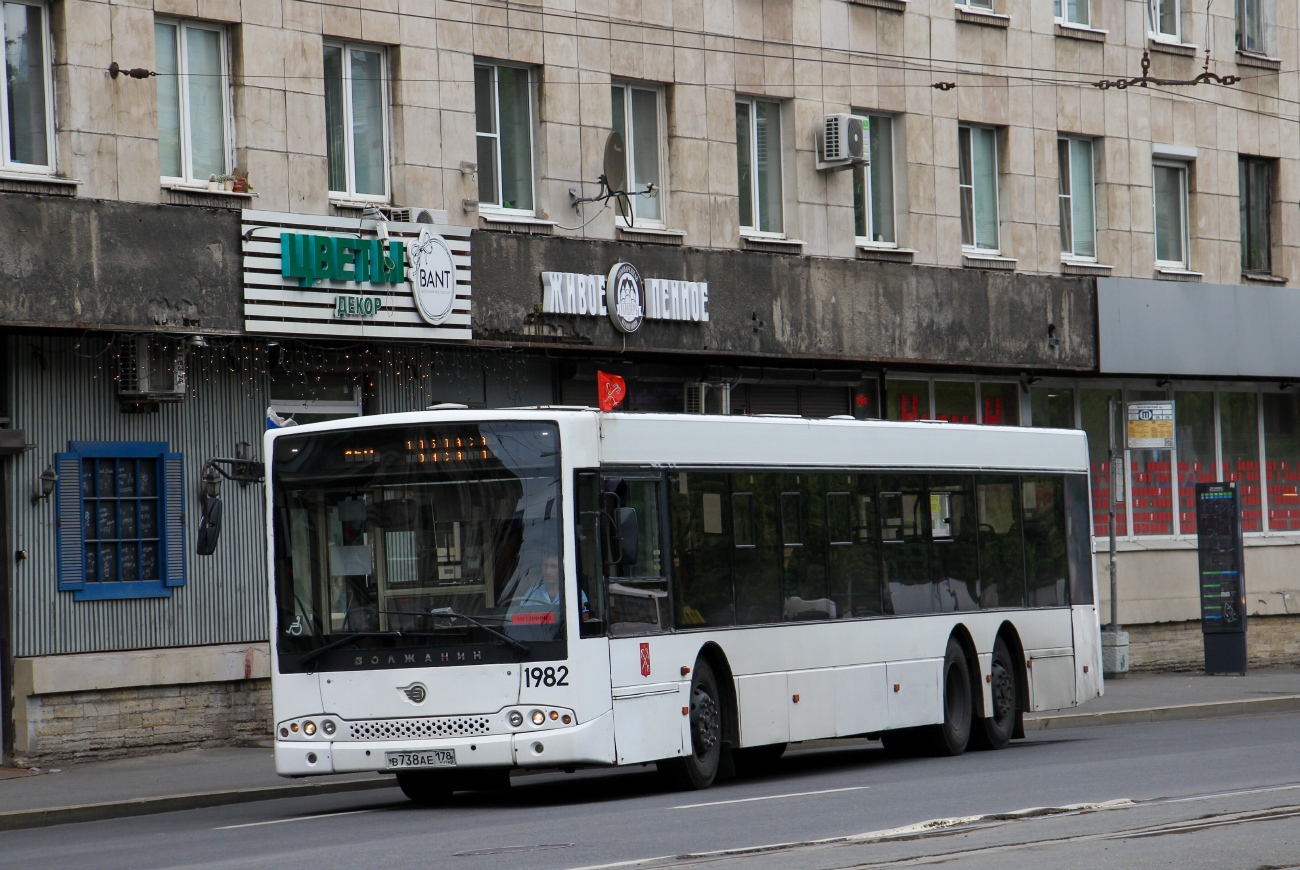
{"x":648,"y":689}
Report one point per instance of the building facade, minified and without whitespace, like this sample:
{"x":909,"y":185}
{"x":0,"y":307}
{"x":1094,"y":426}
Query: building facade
{"x":1022,"y":232}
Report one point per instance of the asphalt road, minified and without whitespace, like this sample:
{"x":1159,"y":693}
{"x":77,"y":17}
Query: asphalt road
{"x":1153,"y":780}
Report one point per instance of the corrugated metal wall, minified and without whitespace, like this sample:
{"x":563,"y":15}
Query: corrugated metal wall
{"x":63,"y":390}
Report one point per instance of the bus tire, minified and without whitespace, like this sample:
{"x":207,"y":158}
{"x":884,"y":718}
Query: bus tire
{"x":425,"y":787}
{"x":699,"y":767}
{"x":952,"y":737}
{"x":903,"y":742}
{"x":757,"y":760}
{"x":996,"y":731}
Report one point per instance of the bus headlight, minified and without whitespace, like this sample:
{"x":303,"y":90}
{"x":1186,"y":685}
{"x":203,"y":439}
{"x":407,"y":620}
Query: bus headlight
{"x":309,"y":728}
{"x":538,"y":717}
{"x":515,"y":718}
{"x":328,"y":726}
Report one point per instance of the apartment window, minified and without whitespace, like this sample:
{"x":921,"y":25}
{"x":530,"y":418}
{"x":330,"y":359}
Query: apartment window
{"x":978,"y":180}
{"x":977,"y":4}
{"x":356,"y":120}
{"x":121,"y":529}
{"x":503,"y":116}
{"x":1250,"y":25}
{"x":1171,"y":214}
{"x":25,"y":98}
{"x":989,"y":403}
{"x":1164,"y":18}
{"x":193,"y":100}
{"x":637,"y":119}
{"x":1255,"y":180}
{"x":873,"y":185}
{"x":1076,"y":195}
{"x":758,"y":159}
{"x":1073,"y":12}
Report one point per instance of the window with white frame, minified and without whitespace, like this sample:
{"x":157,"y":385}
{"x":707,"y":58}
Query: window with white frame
{"x":1073,"y":12}
{"x":1170,"y":196}
{"x":1164,"y":18}
{"x":873,"y":185}
{"x":356,"y":120}
{"x":978,"y":184}
{"x":1255,"y":192}
{"x":986,"y":5}
{"x":503,"y":117}
{"x":1077,"y":197}
{"x":1250,"y":25}
{"x":193,"y":100}
{"x":25,"y":99}
{"x":758,"y":163}
{"x":638,"y":119}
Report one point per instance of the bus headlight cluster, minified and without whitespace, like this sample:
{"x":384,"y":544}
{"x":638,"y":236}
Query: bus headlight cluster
{"x":307,"y":729}
{"x":539,"y":717}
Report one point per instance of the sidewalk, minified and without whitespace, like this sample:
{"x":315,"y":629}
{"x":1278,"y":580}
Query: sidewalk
{"x":213,"y":777}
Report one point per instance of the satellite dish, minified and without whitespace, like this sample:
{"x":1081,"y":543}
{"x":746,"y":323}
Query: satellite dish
{"x":615,"y":162}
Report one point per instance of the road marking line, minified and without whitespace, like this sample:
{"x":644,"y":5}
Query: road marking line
{"x":1222,"y":794}
{"x":772,"y":797}
{"x":293,"y":819}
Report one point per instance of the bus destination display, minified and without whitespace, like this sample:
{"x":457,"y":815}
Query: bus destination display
{"x":1218,"y":528}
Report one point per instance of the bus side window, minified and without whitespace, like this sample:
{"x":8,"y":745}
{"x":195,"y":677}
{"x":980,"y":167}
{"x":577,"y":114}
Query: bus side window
{"x":702,"y":531}
{"x":1001,"y":543}
{"x":1076,"y":506}
{"x":1043,"y":501}
{"x":756,"y":552}
{"x":638,"y":591}
{"x":591,"y":588}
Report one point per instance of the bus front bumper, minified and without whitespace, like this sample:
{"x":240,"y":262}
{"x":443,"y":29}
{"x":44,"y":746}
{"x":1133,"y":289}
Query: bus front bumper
{"x":589,"y":743}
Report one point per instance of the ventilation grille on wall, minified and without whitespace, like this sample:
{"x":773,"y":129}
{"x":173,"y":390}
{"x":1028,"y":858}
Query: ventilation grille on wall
{"x":706,"y":398}
{"x":151,"y":369}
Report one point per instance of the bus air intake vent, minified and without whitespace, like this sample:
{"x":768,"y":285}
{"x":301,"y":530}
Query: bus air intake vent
{"x":401,"y":729}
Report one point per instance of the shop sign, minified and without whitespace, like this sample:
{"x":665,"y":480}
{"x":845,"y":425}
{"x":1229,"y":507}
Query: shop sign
{"x":315,"y":275}
{"x":635,"y":299}
{"x":1150,"y":425}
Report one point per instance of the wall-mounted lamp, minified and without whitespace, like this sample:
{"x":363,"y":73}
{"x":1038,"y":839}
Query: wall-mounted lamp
{"x":211,"y":481}
{"x":1027,"y":380}
{"x":1163,"y":382}
{"x":45,"y":484}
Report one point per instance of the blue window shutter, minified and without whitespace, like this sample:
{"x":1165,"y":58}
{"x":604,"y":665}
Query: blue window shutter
{"x":68,"y":541}
{"x":174,"y":525}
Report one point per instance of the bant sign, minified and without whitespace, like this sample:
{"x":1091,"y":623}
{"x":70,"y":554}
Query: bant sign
{"x":1150,"y":425}
{"x":320,"y":275}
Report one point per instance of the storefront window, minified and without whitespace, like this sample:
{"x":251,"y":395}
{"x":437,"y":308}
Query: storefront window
{"x":909,"y":400}
{"x":1239,"y":431}
{"x":999,"y":404}
{"x":1151,"y":476}
{"x":1194,"y":417}
{"x":1052,"y":407}
{"x":1282,"y":460}
{"x":954,"y":401}
{"x":1093,"y":407}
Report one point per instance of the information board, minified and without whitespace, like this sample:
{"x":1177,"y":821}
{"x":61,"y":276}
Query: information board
{"x":1222,"y":580}
{"x":1150,"y":425}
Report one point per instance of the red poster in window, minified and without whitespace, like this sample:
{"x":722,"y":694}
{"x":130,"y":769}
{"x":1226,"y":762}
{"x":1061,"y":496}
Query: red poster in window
{"x":610,"y":390}
{"x":645,"y":659}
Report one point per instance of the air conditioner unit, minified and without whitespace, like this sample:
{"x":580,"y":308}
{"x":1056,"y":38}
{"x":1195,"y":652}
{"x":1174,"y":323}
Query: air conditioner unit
{"x":841,"y":142}
{"x":412,"y":214}
{"x":706,"y":398}
{"x":152,"y":369}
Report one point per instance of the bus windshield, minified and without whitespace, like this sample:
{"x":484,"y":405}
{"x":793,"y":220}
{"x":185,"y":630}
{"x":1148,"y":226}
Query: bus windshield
{"x":441,"y":541}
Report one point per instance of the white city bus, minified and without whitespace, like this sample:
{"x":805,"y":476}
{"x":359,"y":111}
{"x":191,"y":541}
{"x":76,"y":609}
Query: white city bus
{"x":458,"y":593}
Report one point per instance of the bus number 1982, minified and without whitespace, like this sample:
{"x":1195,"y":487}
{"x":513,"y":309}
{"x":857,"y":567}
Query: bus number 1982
{"x":548,"y":677}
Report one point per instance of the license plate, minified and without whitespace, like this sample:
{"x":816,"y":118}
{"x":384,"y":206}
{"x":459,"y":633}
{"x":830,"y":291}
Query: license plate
{"x":430,"y":758}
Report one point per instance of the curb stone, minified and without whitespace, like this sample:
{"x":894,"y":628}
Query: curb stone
{"x":1208,"y":710}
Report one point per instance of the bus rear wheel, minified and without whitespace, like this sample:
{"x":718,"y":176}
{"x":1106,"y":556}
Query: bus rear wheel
{"x":951,"y":737}
{"x":699,"y":767}
{"x":996,"y":731}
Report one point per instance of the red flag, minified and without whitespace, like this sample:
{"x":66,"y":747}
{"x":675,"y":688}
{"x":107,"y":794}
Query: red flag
{"x":611,"y":391}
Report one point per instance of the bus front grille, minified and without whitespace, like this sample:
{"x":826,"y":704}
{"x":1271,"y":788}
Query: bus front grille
{"x":445,"y":726}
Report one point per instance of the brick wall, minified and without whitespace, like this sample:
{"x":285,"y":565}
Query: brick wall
{"x":1270,"y":640}
{"x":136,"y":721}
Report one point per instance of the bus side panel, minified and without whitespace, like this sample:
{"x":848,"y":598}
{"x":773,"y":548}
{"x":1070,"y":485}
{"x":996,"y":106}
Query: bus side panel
{"x":1087,"y":653}
{"x":648,"y":722}
{"x":915,"y":697}
{"x":861,"y":700}
{"x":763,"y":715}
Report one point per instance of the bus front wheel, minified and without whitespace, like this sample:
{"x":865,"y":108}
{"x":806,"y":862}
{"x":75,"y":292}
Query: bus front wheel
{"x":951,"y":737}
{"x":699,"y":767}
{"x":425,"y":787}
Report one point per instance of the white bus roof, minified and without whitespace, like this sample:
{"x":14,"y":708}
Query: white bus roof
{"x":739,"y":441}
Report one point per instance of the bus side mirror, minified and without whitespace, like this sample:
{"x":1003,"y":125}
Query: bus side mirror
{"x":629,"y":535}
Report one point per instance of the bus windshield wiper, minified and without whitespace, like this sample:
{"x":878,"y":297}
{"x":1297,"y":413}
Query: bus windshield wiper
{"x":448,"y":612}
{"x":309,"y":657}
